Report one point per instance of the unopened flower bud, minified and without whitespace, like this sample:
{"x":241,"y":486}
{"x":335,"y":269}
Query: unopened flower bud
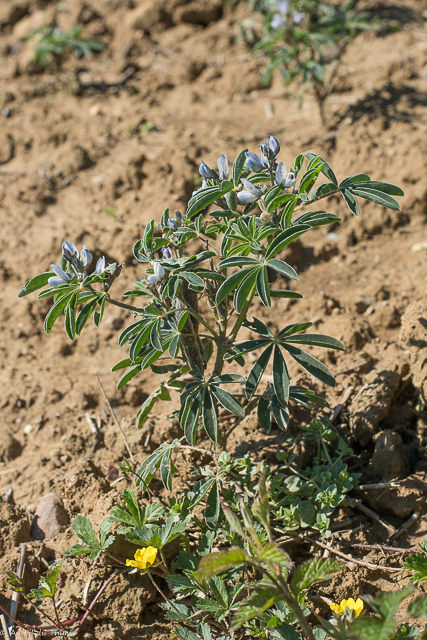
{"x":159,"y":270}
{"x":223,"y":167}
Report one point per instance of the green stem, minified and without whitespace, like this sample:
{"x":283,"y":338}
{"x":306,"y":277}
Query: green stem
{"x":326,"y":195}
{"x":242,"y":315}
{"x":122,"y":305}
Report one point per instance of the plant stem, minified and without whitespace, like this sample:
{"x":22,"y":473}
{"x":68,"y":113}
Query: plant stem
{"x":102,"y":589}
{"x":123,"y":305}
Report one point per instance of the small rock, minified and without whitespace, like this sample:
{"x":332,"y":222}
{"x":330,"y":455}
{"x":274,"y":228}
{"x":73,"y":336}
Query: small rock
{"x":10,"y":448}
{"x":50,"y":517}
{"x":28,"y":428}
{"x":373,"y":404}
{"x":390,"y":460}
{"x":201,"y":12}
{"x":410,"y":495}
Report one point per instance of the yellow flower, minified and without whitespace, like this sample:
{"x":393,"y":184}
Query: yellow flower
{"x":143,"y":557}
{"x":355,"y":607}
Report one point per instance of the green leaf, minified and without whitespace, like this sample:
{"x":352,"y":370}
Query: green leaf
{"x":284,"y":293}
{"x":70,"y":316}
{"x":190,"y":416}
{"x":311,"y":364}
{"x":283,"y":198}
{"x":255,"y":604}
{"x":387,"y":604}
{"x":350,"y":201}
{"x":378,"y":197}
{"x":98,"y":315}
{"x":210,"y":419}
{"x":238,"y":261}
{"x":126,"y":377}
{"x":282,"y":268}
{"x":228,"y":401}
{"x":314,"y":571}
{"x":352,"y":180}
{"x":15,"y":582}
{"x":205,"y":197}
{"x":35,"y":283}
{"x":215,"y":563}
{"x":315,"y":340}
{"x":280,"y":377}
{"x":371,"y":629}
{"x":56,"y":310}
{"x":317,"y":218}
{"x":166,"y":470}
{"x":257,"y":371}
{"x":238,"y":166}
{"x":47,"y":583}
{"x":213,"y":507}
{"x":83,"y":529}
{"x":231,"y":283}
{"x":418,"y":607}
{"x":326,"y":169}
{"x":284,"y":238}
{"x":147,"y":239}
{"x":159,"y":393}
{"x":243,"y":291}
{"x":84,"y":315}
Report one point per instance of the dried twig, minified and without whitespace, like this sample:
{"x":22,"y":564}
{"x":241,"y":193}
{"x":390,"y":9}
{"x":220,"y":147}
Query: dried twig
{"x":357,"y":504}
{"x":414,"y":517}
{"x":4,"y":627}
{"x":368,"y":565}
{"x":374,"y":547}
{"x":115,"y":420}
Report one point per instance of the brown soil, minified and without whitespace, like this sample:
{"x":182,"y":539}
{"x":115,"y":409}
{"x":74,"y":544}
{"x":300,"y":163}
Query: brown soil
{"x":78,"y":163}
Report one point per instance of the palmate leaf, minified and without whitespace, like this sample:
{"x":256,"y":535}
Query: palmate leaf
{"x":83,"y":529}
{"x":148,"y":468}
{"x":286,"y":339}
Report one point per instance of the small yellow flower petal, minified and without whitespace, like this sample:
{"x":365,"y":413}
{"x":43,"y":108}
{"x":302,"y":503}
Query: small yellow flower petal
{"x":355,"y":607}
{"x":143,"y":557}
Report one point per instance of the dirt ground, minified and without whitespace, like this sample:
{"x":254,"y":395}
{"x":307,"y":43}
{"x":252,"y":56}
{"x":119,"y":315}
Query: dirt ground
{"x":92,"y":149}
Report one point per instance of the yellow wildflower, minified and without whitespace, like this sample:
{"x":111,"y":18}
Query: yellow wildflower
{"x":355,"y":607}
{"x":143,"y":557}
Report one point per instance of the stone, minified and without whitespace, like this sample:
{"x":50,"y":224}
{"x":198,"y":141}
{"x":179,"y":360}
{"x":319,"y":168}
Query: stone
{"x":50,"y":517}
{"x":413,"y":336}
{"x":410,"y":495}
{"x":390,"y":460}
{"x":201,"y":12}
{"x":372,"y":405}
{"x":10,"y":448}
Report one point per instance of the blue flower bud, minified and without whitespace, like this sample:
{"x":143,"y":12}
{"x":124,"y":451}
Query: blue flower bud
{"x":153,"y":279}
{"x":297,"y":17}
{"x":290,"y":180}
{"x":100,"y":266}
{"x":167,"y":253}
{"x":178,"y":217}
{"x":253,"y":162}
{"x":172,"y":224}
{"x":159,"y":270}
{"x":250,"y":187}
{"x":223,"y":167}
{"x":62,"y":277}
{"x":207,"y":172}
{"x":274,"y":145}
{"x":281,"y":174}
{"x":87,"y":257}
{"x":244,"y":197}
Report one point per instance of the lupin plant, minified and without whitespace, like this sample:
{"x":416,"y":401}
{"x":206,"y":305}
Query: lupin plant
{"x":306,"y":40}
{"x":200,"y":298}
{"x":207,"y":274}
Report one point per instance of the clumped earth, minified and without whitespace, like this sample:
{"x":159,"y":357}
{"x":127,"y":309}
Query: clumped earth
{"x":92,"y":149}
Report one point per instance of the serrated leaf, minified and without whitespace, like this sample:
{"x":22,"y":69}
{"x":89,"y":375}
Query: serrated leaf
{"x":215,"y":563}
{"x":314,"y":571}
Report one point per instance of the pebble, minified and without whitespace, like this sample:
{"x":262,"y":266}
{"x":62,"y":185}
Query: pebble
{"x":50,"y":517}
